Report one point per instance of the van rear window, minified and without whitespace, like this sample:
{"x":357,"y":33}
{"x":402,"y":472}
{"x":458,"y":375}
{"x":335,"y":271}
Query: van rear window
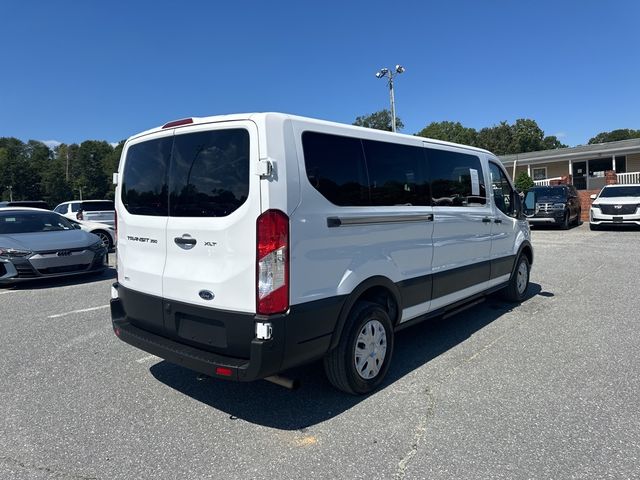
{"x":203,"y":174}
{"x":209,"y":173}
{"x":144,"y":185}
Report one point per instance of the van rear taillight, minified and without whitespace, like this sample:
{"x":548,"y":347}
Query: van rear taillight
{"x":272,"y":269}
{"x":177,"y":123}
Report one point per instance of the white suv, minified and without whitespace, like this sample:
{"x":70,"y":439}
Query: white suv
{"x":615,"y":205}
{"x":249,"y":244}
{"x":100,"y":211}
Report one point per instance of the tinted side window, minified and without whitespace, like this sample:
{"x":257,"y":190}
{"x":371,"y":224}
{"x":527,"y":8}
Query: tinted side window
{"x":457,"y":179}
{"x":75,"y":207}
{"x":97,"y":206}
{"x":144,"y":189}
{"x":336,"y":168}
{"x":209,"y":174}
{"x":397,"y":174}
{"x":62,"y":209}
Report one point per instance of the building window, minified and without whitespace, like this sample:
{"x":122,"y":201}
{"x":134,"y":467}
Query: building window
{"x":539,"y":173}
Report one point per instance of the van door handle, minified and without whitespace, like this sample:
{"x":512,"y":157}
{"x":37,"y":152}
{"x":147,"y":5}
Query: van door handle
{"x":486,"y":220}
{"x":497,"y":220}
{"x":185,"y":242}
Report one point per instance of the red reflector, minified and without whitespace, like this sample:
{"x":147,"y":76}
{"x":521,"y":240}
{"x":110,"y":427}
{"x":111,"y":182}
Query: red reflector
{"x":225,"y":372}
{"x":177,"y":123}
{"x":117,"y":331}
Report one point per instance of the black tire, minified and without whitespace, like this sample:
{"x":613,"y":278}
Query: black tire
{"x":105,"y":237}
{"x":578,"y":215}
{"x":565,"y":221}
{"x":516,"y":290}
{"x":340,"y":363}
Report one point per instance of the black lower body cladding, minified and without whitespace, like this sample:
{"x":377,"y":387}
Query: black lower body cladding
{"x":204,"y":339}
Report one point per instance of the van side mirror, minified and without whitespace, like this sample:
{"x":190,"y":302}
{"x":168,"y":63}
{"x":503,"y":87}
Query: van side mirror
{"x":593,"y":196}
{"x":517,"y":206}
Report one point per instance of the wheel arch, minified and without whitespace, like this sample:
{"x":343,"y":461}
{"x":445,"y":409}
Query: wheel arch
{"x":525,"y":249}
{"x":376,"y":289}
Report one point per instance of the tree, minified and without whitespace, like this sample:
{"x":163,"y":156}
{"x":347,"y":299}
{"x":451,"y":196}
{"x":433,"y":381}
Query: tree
{"x":92,"y":179}
{"x":450,"y":132}
{"x":523,"y":182}
{"x":527,"y":136}
{"x":497,"y":139}
{"x":379,"y":120}
{"x":615,"y":136}
{"x":20,"y":169}
{"x":551,"y":143}
{"x":110,"y":166}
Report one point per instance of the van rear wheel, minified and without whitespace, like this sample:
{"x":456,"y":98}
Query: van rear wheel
{"x":361,"y":360}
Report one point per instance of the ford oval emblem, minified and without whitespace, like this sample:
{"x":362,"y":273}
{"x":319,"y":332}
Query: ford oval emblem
{"x":206,"y":295}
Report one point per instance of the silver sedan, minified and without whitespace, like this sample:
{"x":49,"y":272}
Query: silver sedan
{"x":37,"y":244}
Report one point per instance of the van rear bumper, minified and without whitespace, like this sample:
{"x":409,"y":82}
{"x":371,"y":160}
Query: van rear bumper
{"x":294,"y":341}
{"x":265,"y":359}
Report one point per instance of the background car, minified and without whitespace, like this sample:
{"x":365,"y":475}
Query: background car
{"x":553,"y":205}
{"x":615,"y":205}
{"x":101,"y":211}
{"x":26,"y":203}
{"x":38,"y":244}
{"x":106,"y":232}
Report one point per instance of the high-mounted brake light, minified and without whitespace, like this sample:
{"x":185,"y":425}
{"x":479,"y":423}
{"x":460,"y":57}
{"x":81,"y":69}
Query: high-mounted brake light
{"x":272,"y":263}
{"x":177,"y":123}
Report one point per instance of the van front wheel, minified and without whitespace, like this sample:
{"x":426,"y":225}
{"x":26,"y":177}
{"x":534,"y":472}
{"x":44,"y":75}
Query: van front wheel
{"x":361,"y":360}
{"x":519,"y":282}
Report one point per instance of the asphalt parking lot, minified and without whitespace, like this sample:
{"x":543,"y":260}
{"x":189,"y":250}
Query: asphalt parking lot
{"x":545,"y":389}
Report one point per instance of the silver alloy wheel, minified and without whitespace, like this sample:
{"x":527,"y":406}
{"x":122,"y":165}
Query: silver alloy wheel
{"x":370,"y":349}
{"x":521,"y":280}
{"x":105,"y":238}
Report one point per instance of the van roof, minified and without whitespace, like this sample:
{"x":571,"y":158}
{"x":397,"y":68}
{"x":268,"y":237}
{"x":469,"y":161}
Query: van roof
{"x":260,"y":116}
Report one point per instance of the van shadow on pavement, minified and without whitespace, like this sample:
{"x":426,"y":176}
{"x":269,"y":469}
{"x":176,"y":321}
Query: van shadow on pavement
{"x":270,"y":405}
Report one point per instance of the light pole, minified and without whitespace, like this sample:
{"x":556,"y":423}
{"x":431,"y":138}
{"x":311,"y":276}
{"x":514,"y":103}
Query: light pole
{"x":385,"y":72}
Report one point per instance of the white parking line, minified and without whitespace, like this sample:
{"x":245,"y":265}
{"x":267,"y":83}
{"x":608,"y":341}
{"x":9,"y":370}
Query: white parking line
{"x":81,"y":339}
{"x":78,"y":311}
{"x":148,"y":358}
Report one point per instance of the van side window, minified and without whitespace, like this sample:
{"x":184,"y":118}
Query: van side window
{"x":456,"y":179}
{"x":75,"y":207}
{"x":62,"y":209}
{"x":503,"y":194}
{"x":336,"y":168}
{"x":397,"y":174}
{"x":144,"y":189}
{"x":209,"y":174}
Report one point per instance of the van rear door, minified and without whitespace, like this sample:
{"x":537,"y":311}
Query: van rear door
{"x":143,"y":212}
{"x":214,"y":202}
{"x":142,"y":206}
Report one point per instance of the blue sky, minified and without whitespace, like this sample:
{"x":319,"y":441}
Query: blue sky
{"x":75,"y":71}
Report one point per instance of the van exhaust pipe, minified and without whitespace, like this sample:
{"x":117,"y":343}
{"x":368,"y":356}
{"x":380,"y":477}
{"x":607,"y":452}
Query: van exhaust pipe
{"x":290,"y":383}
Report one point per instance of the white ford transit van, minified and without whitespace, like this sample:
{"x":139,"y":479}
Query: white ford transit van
{"x":249,"y":244}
